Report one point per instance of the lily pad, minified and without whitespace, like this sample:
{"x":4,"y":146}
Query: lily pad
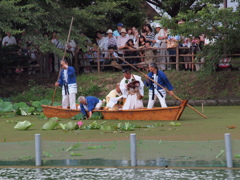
{"x":5,"y":107}
{"x":23,"y":125}
{"x":50,"y":125}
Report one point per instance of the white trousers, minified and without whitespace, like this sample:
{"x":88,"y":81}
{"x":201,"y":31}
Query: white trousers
{"x":157,"y":95}
{"x":69,"y":99}
{"x":98,"y":105}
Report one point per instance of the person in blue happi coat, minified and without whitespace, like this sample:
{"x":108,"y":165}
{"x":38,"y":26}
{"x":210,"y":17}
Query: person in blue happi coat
{"x":89,"y":104}
{"x":154,"y":89}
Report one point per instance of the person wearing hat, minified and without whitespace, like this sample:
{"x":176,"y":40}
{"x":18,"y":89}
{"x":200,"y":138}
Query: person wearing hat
{"x":132,"y":98}
{"x":121,"y":41}
{"x":111,"y":41}
{"x":117,"y":32}
{"x":157,"y":43}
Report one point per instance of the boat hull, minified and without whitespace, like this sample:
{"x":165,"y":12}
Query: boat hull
{"x":154,"y":114}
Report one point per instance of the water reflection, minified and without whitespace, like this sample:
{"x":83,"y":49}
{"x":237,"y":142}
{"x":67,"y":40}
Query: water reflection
{"x":159,"y":162}
{"x":117,"y":174}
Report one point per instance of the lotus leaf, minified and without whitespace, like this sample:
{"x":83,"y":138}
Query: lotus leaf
{"x":79,"y":116}
{"x":94,"y":125}
{"x":96,"y":115}
{"x":174,"y":124}
{"x":71,"y":125}
{"x":106,"y":128}
{"x":42,"y":116}
{"x":16,"y":106}
{"x":23,"y":125}
{"x":50,"y":125}
{"x":5,"y":106}
{"x":54,"y":119}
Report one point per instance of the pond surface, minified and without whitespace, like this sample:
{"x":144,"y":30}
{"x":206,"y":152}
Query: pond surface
{"x":116,"y":174}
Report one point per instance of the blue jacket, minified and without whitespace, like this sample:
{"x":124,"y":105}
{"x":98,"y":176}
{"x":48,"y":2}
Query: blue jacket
{"x":91,"y":103}
{"x":71,"y":76}
{"x":162,"y":80}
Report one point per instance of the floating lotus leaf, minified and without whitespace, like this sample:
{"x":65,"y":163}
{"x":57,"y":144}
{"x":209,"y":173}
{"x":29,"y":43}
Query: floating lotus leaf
{"x":23,"y":125}
{"x":79,"y":116}
{"x":5,"y":106}
{"x":50,"y":125}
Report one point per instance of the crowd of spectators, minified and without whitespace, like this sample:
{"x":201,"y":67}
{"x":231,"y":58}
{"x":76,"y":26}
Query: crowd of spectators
{"x":136,"y":46}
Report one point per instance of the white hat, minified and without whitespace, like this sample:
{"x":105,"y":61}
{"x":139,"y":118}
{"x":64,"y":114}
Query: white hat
{"x":109,"y":31}
{"x":123,"y":30}
{"x":157,"y":25}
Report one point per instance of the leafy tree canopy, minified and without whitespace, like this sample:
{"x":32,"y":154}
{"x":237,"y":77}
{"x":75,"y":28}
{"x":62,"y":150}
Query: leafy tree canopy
{"x":46,"y":16}
{"x":221,"y":26}
{"x":173,"y":7}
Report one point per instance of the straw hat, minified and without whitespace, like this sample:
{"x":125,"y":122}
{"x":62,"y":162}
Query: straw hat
{"x":109,"y":31}
{"x":123,"y":30}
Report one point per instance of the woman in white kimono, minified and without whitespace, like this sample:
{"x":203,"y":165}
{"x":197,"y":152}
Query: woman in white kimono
{"x":134,"y":98}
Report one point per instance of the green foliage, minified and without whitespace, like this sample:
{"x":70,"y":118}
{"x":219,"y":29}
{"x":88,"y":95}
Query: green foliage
{"x":221,"y":26}
{"x":24,"y":125}
{"x":51,"y":124}
{"x":94,"y":125}
{"x":96,"y":115}
{"x":42,"y":116}
{"x":69,"y":126}
{"x":174,"y":124}
{"x":5,"y":106}
{"x":75,"y":146}
{"x":75,"y":154}
{"x":126,"y":126}
{"x":79,"y":116}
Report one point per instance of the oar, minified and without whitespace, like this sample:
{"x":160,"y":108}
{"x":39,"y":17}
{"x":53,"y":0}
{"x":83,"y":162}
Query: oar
{"x":64,"y":54}
{"x":162,"y":87}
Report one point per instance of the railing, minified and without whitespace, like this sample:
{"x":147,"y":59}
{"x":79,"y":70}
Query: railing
{"x":44,"y":61}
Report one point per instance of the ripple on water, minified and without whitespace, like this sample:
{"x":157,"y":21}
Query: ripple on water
{"x":116,"y":174}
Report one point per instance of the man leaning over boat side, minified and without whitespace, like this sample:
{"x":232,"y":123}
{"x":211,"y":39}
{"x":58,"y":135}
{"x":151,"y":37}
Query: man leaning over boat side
{"x":89,"y":104}
{"x":67,"y":80}
{"x":132,"y":98}
{"x":113,"y":99}
{"x":156,"y":91}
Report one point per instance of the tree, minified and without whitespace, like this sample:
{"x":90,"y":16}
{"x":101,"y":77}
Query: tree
{"x":219,"y":25}
{"x":173,"y":7}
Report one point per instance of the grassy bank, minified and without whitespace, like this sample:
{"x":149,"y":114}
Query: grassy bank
{"x":188,"y":85}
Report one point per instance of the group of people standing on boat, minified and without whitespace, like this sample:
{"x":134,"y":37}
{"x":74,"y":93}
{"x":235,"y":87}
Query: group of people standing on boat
{"x":128,"y":94}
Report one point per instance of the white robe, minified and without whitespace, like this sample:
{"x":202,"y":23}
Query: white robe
{"x":132,"y":101}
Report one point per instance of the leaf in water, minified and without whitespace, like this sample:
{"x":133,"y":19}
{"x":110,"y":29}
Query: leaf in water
{"x":24,"y":125}
{"x":7,"y":116}
{"x":16,"y":106}
{"x":220,"y":154}
{"x":79,"y":116}
{"x":71,"y":125}
{"x":75,"y":154}
{"x":42,"y":116}
{"x":75,"y":146}
{"x":96,"y":115}
{"x":47,"y":154}
{"x":25,"y":157}
{"x":5,"y":107}
{"x":50,"y":125}
{"x":96,"y":147}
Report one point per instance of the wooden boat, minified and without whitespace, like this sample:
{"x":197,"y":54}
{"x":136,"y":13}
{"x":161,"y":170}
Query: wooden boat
{"x":155,"y":114}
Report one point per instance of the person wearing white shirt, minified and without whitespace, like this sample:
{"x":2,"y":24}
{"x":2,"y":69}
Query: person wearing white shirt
{"x":9,"y":40}
{"x":131,"y":99}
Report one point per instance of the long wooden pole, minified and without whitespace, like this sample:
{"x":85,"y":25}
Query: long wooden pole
{"x":64,"y":54}
{"x":161,"y":87}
